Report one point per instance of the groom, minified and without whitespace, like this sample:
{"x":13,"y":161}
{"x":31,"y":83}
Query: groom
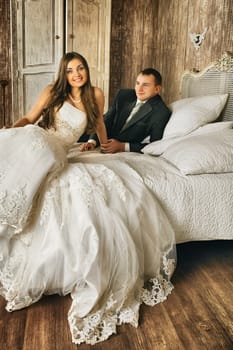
{"x":137,"y":116}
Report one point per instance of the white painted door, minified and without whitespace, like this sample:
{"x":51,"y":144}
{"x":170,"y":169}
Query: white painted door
{"x":88,"y":32}
{"x":38,"y":44}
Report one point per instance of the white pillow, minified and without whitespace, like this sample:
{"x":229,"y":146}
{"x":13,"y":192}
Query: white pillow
{"x":190,"y":113}
{"x":212,"y":127}
{"x":204,"y":153}
{"x":156,"y":148}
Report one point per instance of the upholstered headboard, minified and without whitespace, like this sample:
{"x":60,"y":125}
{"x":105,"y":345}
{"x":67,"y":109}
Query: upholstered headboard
{"x":217,"y":78}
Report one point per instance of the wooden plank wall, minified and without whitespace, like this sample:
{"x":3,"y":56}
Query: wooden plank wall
{"x":132,"y":41}
{"x":5,"y":68}
{"x":156,"y":33}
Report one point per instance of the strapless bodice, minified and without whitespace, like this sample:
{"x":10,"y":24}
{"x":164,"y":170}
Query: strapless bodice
{"x":70,"y":124}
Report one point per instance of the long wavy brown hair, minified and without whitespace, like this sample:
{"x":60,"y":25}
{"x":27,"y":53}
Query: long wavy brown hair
{"x":60,"y":91}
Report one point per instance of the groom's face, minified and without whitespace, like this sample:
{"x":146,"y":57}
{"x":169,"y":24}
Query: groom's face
{"x":146,"y":87}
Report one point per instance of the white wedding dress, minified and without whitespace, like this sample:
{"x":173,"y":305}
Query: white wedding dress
{"x":82,"y":223}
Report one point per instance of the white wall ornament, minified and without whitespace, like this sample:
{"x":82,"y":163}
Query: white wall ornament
{"x":197,"y":39}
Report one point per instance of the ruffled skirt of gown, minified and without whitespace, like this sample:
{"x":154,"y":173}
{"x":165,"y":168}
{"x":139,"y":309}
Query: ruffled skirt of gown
{"x":89,"y":227}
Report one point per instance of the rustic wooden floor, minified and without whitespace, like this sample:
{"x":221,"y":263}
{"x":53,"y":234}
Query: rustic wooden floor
{"x":197,"y":315}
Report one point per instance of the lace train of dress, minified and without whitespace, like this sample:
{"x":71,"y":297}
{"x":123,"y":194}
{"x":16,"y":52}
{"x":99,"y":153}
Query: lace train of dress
{"x":85,"y":225}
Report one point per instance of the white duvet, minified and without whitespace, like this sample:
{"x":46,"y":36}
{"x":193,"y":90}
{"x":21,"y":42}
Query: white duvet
{"x":199,"y":207}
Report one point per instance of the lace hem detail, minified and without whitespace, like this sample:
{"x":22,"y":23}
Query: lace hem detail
{"x":100,"y":325}
{"x":10,"y":288}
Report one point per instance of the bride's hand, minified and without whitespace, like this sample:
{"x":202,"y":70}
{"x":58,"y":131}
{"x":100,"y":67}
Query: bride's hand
{"x":87,"y":146}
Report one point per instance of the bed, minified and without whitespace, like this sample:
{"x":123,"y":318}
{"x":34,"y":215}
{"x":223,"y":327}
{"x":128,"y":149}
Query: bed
{"x":190,"y":170}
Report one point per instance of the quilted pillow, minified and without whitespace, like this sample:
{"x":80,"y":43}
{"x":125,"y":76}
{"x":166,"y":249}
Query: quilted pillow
{"x":190,"y":113}
{"x":156,"y":148}
{"x":203,"y":154}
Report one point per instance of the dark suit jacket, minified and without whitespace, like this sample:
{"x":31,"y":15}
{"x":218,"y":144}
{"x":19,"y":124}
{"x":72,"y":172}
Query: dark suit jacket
{"x":150,"y":120}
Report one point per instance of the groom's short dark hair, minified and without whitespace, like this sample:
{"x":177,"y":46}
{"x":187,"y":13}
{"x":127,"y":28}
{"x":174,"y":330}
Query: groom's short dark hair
{"x":155,"y":73}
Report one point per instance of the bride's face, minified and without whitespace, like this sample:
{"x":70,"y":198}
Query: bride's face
{"x":76,"y":73}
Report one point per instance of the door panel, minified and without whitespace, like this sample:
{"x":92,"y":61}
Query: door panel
{"x":33,"y":83}
{"x":88,"y":32}
{"x":39,"y":41}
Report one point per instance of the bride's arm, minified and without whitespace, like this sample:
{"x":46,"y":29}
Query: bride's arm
{"x":35,"y":113}
{"x":100,"y":126}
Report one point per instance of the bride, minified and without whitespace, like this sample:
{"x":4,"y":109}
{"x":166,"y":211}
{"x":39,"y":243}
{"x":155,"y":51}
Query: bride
{"x":79,"y":223}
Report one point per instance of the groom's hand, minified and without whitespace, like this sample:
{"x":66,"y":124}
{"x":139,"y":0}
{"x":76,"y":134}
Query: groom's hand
{"x":112,"y":146}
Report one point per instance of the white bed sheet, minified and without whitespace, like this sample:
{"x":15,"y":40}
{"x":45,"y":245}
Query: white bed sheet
{"x":199,"y":207}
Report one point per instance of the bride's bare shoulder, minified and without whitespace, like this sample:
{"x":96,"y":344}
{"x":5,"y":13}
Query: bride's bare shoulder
{"x":98,"y":92}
